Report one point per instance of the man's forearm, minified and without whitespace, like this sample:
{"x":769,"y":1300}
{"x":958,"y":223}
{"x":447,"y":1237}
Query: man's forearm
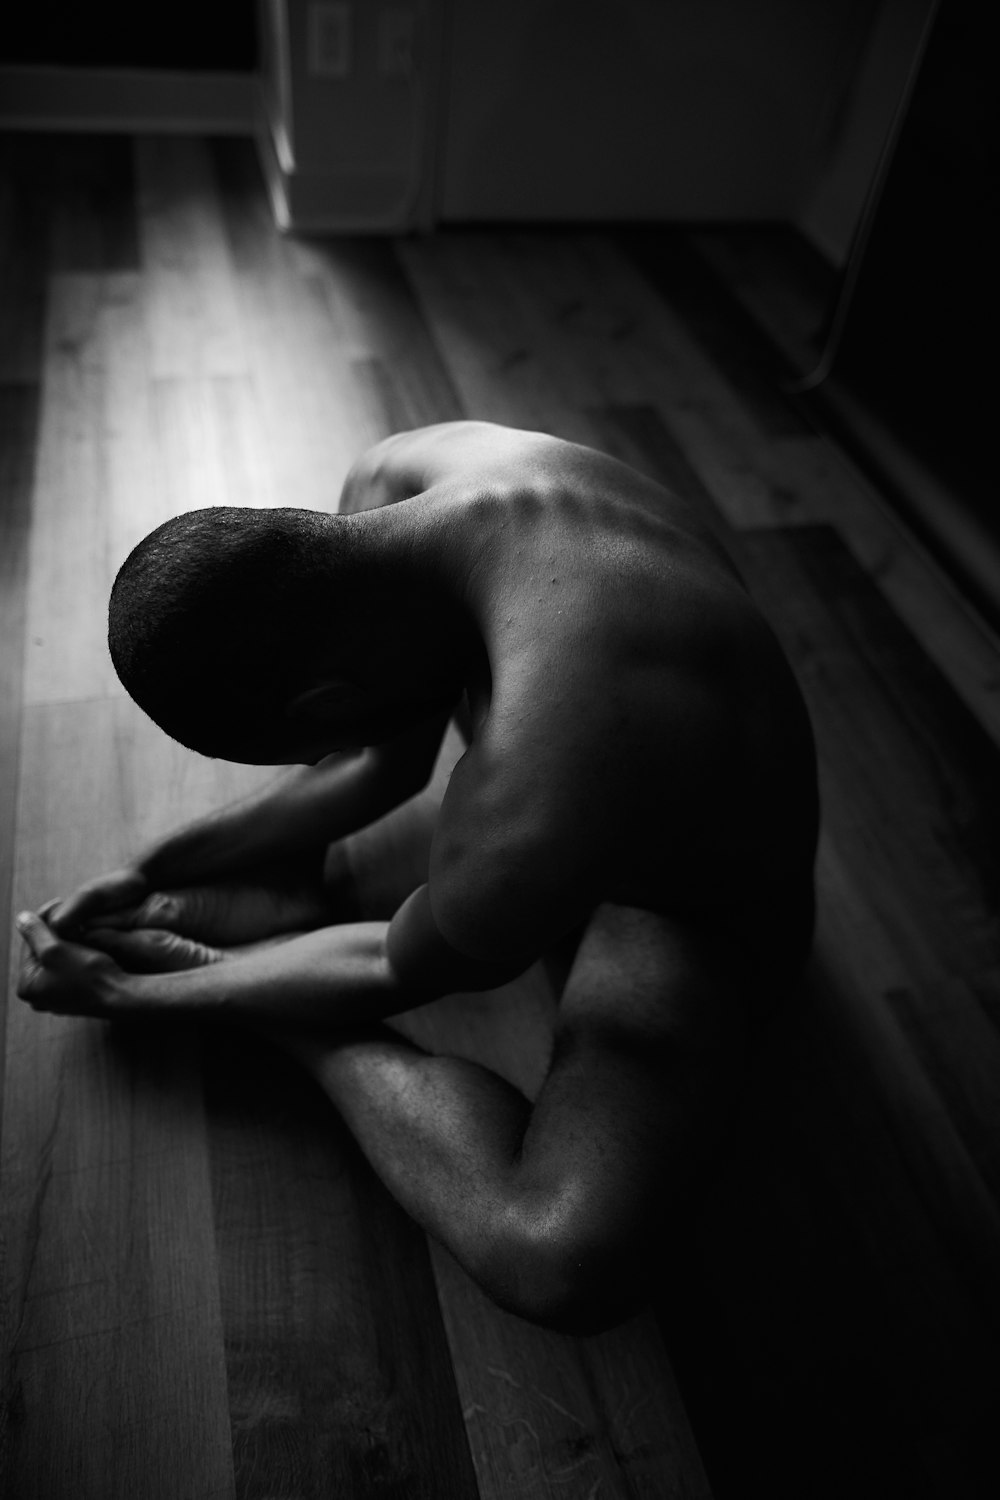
{"x":309,"y":809}
{"x":304,"y":811}
{"x":281,"y":819}
{"x":336,"y":976}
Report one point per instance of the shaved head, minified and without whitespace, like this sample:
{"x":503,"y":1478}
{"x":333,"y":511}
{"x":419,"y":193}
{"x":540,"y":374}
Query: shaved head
{"x":212,"y":613}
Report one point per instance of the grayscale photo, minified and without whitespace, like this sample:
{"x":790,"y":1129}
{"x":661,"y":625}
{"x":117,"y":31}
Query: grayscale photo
{"x":499,"y":751}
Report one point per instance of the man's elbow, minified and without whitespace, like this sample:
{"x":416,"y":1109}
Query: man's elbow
{"x":424,"y":961}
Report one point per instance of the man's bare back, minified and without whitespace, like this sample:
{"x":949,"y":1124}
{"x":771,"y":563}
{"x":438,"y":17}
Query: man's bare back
{"x":637,"y":736}
{"x":638,"y":788}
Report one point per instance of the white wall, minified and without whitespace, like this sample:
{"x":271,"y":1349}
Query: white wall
{"x":660,"y":109}
{"x":349,"y":150}
{"x":683,"y":110}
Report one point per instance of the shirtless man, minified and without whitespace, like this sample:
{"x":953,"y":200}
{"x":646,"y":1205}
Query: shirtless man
{"x":639,"y":783}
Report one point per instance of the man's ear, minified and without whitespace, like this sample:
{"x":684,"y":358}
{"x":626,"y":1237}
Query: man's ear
{"x":324,"y":702}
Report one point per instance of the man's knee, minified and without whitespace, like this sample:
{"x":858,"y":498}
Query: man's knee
{"x":565,"y":1271}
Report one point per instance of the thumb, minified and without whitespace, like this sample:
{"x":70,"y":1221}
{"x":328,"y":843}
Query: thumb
{"x":37,"y":935}
{"x":107,"y":893}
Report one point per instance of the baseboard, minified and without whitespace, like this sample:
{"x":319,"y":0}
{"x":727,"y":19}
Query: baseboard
{"x":129,"y":100}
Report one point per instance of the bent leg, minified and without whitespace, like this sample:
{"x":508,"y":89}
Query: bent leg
{"x":557,"y":1209}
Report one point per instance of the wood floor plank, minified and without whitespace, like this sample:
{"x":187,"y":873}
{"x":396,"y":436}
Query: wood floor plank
{"x":69,"y":574}
{"x":129,"y":460}
{"x":193,"y":320}
{"x":754,"y":370}
{"x":209,"y":447}
{"x":778,"y":277}
{"x":96,"y":487}
{"x":638,"y":435}
{"x":24,"y":251}
{"x":113,"y":1369}
{"x":580,"y":316}
{"x":315,"y":314}
{"x":378,"y":321}
{"x":91,"y":193}
{"x":314,"y":417}
{"x":621,"y":342}
{"x":550,"y":1416}
{"x":18,"y":438}
{"x":737,"y":458}
{"x":485,"y":336}
{"x":118,"y":454}
{"x":339,"y":1377}
{"x":907,"y":575}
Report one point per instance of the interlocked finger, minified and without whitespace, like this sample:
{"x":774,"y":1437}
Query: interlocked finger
{"x":189,"y":912}
{"x":153,"y":950}
{"x":59,"y":976}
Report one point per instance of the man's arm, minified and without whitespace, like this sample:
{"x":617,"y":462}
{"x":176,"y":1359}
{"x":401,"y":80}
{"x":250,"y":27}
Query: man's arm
{"x":307,"y":810}
{"x":336,"y":976}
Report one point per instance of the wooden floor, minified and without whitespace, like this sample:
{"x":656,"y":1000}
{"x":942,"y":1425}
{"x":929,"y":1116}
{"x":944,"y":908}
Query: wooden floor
{"x":204,"y":1290}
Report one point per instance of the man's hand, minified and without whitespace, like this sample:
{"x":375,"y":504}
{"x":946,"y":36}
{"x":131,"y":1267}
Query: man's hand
{"x":331,"y":976}
{"x":113,"y":893}
{"x":99,"y":978}
{"x":225,"y":914}
{"x":65,"y":979}
{"x":154,"y":950}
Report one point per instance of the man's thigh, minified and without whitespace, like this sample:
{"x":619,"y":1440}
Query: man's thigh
{"x":649,"y":1050}
{"x":650,"y":978}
